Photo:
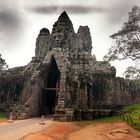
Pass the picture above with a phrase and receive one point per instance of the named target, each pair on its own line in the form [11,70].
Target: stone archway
[51,89]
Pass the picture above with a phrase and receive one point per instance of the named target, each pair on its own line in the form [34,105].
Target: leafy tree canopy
[127,42]
[3,65]
[132,73]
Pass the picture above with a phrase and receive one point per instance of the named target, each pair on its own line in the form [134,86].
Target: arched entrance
[50,92]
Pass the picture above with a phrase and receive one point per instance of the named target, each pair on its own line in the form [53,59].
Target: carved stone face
[58,39]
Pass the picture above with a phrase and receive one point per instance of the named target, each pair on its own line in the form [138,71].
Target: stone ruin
[65,79]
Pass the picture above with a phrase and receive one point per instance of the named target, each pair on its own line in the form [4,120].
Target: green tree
[132,73]
[3,65]
[127,43]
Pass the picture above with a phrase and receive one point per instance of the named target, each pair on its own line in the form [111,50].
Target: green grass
[2,115]
[133,109]
[134,112]
[111,119]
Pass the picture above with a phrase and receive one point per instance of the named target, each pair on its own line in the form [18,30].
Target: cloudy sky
[21,20]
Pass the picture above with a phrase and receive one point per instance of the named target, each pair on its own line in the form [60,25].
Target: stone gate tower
[65,79]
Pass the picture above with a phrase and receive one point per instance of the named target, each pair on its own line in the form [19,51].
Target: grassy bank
[2,115]
[134,112]
[111,119]
[131,116]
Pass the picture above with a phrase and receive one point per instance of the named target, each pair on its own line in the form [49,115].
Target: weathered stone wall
[11,87]
[115,91]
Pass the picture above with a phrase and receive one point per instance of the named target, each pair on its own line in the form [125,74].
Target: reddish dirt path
[106,131]
[99,131]
[57,131]
[3,120]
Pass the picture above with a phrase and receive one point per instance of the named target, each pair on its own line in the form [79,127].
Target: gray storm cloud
[11,18]
[71,9]
[114,11]
[119,10]
[10,21]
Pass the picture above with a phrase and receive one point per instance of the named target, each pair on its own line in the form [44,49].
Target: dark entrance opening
[50,92]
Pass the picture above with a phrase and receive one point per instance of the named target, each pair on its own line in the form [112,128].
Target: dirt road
[31,130]
[99,131]
[18,129]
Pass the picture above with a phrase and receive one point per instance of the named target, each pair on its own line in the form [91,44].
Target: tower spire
[63,24]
